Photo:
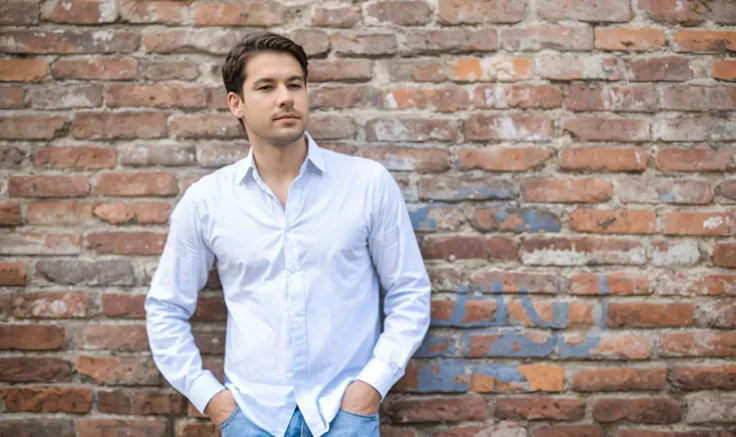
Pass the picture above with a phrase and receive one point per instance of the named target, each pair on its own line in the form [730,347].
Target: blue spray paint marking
[483,192]
[604,285]
[420,219]
[532,220]
[501,372]
[444,346]
[459,313]
[580,350]
[515,344]
[442,376]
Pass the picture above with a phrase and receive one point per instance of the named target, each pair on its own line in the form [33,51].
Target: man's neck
[279,162]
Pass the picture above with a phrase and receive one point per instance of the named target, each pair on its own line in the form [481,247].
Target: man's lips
[287,117]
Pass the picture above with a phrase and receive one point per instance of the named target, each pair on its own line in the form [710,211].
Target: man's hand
[220,407]
[361,398]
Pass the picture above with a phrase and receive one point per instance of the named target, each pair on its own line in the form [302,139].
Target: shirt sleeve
[172,300]
[397,259]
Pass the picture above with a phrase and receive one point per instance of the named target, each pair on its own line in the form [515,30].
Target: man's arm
[398,262]
[172,299]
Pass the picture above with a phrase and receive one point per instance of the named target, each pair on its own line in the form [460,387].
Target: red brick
[132,427]
[48,186]
[673,11]
[475,311]
[575,67]
[206,125]
[413,70]
[218,154]
[79,11]
[627,98]
[10,213]
[569,431]
[691,284]
[40,243]
[696,160]
[12,97]
[112,337]
[169,70]
[504,159]
[32,127]
[704,41]
[635,39]
[616,346]
[612,379]
[724,69]
[717,344]
[18,13]
[33,337]
[455,409]
[158,95]
[95,68]
[267,13]
[447,99]
[59,213]
[587,190]
[445,278]
[349,44]
[410,129]
[517,96]
[160,11]
[699,223]
[648,433]
[563,251]
[140,403]
[482,345]
[35,369]
[340,70]
[469,247]
[332,127]
[64,41]
[497,68]
[643,410]
[422,159]
[185,40]
[120,125]
[650,315]
[452,188]
[539,408]
[47,399]
[126,243]
[118,370]
[66,97]
[514,127]
[724,254]
[316,43]
[613,221]
[472,12]
[608,129]
[555,37]
[579,314]
[450,41]
[599,159]
[342,16]
[486,281]
[584,10]
[136,184]
[44,305]
[698,98]
[341,97]
[646,190]
[23,70]
[123,213]
[124,305]
[663,68]
[400,13]
[210,341]
[78,157]
[617,284]
[727,189]
[199,430]
[11,157]
[12,273]
[707,408]
[704,377]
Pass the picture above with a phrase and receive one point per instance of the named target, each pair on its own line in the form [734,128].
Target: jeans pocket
[361,416]
[230,418]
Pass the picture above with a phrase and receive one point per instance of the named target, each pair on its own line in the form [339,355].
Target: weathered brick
[35,369]
[555,37]
[90,273]
[587,190]
[422,159]
[266,13]
[702,343]
[600,159]
[532,344]
[613,221]
[608,346]
[504,159]
[400,13]
[576,67]
[562,251]
[684,128]
[332,127]
[95,68]
[111,337]
[608,129]
[342,16]
[539,408]
[119,125]
[33,337]
[704,41]
[205,125]
[410,129]
[132,427]
[136,184]
[185,40]
[454,409]
[44,305]
[470,247]
[340,70]
[316,43]
[674,253]
[494,281]
[618,283]
[12,273]
[217,154]
[686,12]
[704,377]
[412,70]
[447,99]
[23,70]
[79,12]
[352,44]
[647,190]
[692,284]
[126,243]
[11,157]
[637,39]
[500,96]
[78,157]
[161,11]
[472,12]
[450,41]
[68,213]
[140,402]
[504,428]
[727,189]
[48,186]
[158,95]
[453,189]
[18,13]
[547,314]
[501,68]
[716,314]
[32,127]
[699,223]
[12,98]
[64,41]
[474,311]
[698,98]
[47,399]
[626,98]
[711,408]
[10,213]
[118,370]
[656,411]
[130,306]
[663,68]
[611,379]
[724,254]
[584,10]
[123,213]
[696,160]
[40,243]
[650,315]
[340,97]
[514,127]
[569,431]
[724,69]
[168,155]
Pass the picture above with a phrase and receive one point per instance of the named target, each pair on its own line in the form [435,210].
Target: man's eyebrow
[269,79]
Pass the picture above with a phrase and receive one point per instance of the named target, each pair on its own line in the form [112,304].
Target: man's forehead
[279,66]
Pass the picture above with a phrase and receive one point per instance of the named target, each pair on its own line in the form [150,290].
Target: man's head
[265,77]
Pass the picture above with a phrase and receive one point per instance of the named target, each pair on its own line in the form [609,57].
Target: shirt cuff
[380,375]
[204,389]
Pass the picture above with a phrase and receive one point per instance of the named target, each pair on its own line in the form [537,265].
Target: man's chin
[287,135]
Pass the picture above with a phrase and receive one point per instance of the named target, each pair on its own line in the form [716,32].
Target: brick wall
[568,165]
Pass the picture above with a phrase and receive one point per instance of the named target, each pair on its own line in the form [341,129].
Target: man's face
[275,104]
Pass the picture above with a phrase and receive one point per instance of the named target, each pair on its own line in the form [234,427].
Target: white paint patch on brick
[713,222]
[677,253]
[108,11]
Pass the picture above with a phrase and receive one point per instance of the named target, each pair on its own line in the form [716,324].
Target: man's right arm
[172,300]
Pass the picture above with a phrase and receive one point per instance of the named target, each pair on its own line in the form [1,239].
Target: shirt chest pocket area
[338,245]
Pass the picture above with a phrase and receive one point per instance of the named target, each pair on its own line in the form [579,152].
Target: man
[307,243]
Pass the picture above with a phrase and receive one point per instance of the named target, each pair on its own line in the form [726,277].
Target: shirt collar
[315,155]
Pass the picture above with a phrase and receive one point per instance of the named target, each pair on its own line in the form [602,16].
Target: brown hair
[233,70]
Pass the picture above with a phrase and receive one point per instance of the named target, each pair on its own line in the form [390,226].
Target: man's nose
[285,97]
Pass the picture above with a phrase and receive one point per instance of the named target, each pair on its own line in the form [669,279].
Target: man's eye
[295,85]
[264,88]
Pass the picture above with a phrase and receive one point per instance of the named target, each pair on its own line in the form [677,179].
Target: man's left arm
[398,261]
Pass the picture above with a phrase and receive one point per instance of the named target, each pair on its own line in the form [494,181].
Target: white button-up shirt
[302,286]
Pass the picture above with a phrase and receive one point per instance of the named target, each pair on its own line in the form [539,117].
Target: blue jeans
[343,425]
